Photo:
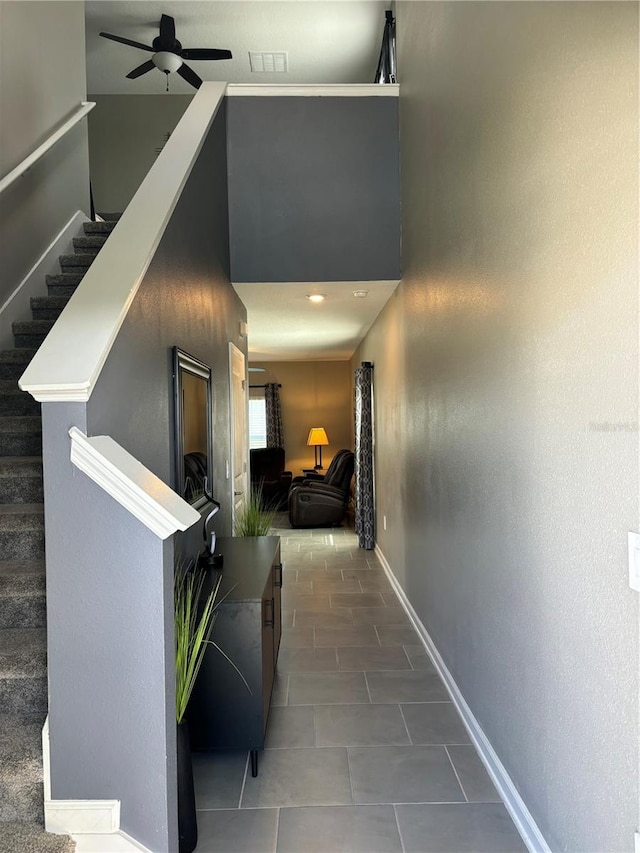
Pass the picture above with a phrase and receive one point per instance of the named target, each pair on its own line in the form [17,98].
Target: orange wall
[313,394]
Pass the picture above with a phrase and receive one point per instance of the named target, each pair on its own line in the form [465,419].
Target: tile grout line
[395,814]
[464,793]
[244,779]
[405,725]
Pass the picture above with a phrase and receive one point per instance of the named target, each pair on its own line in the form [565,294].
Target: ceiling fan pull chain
[167,82]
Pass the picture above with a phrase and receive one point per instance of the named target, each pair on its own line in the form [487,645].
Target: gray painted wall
[109,579]
[40,87]
[125,133]
[506,371]
[314,189]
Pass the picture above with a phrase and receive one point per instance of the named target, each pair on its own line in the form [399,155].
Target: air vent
[268,63]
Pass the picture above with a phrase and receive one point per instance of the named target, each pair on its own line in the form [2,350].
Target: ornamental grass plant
[194,619]
[255,517]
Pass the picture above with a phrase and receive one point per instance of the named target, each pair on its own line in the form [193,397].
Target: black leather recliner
[322,501]
[267,473]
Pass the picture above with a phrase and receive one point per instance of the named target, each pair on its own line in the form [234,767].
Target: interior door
[239,429]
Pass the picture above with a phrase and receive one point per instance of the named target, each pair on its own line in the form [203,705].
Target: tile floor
[365,752]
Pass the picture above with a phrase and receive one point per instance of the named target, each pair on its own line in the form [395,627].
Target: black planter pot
[187,822]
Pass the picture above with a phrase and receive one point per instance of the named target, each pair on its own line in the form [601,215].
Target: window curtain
[275,434]
[364,473]
[386,71]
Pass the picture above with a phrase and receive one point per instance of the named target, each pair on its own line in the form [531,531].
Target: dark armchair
[267,473]
[322,501]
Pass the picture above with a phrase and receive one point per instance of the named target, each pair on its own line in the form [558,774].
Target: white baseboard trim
[118,842]
[18,305]
[93,824]
[71,817]
[514,803]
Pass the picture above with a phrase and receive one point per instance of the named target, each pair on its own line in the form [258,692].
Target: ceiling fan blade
[190,76]
[149,65]
[123,40]
[205,53]
[167,29]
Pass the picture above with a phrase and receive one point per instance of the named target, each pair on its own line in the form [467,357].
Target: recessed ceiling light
[316,297]
[360,294]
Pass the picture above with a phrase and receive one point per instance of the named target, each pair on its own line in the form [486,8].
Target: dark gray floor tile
[328,688]
[323,618]
[376,582]
[339,829]
[419,658]
[245,831]
[359,725]
[363,572]
[464,828]
[403,774]
[362,635]
[299,777]
[397,635]
[406,687]
[217,778]
[297,638]
[312,572]
[290,727]
[379,616]
[356,599]
[305,601]
[296,587]
[287,619]
[434,722]
[474,779]
[333,586]
[280,691]
[307,660]
[368,659]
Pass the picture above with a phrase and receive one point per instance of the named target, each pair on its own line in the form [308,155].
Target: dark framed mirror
[193,427]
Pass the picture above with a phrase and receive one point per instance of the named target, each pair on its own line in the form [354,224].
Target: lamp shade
[317,436]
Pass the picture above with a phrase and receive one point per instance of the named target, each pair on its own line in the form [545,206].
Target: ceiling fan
[169,55]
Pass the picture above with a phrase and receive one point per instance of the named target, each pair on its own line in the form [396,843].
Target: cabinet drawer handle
[268,623]
[278,574]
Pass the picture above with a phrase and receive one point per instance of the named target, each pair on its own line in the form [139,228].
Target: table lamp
[317,439]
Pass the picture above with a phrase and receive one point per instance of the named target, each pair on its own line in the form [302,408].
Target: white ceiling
[285,326]
[327,42]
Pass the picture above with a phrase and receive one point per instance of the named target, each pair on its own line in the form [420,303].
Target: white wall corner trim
[313,90]
[132,485]
[514,803]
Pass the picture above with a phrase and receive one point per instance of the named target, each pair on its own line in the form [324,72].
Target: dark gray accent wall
[110,580]
[314,190]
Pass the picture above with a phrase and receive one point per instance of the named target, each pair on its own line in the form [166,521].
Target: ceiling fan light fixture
[166,61]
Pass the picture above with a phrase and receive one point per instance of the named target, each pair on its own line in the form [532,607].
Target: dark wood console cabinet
[223,714]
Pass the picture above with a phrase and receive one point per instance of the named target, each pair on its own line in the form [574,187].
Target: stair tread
[21,567]
[32,326]
[21,356]
[78,259]
[26,517]
[23,463]
[93,241]
[21,836]
[105,227]
[20,423]
[48,302]
[23,652]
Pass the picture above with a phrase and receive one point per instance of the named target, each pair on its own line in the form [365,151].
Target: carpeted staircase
[23,665]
